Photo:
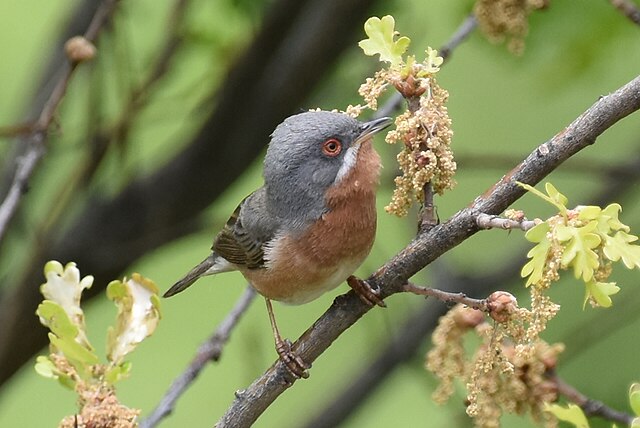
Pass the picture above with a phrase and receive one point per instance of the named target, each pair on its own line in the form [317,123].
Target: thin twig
[589,406]
[628,9]
[447,296]
[425,248]
[461,34]
[37,138]
[486,221]
[211,350]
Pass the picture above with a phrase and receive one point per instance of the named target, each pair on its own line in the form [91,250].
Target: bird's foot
[296,365]
[366,292]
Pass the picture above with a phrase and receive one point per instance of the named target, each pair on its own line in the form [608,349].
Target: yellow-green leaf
[611,212]
[555,195]
[634,398]
[53,316]
[138,315]
[600,292]
[534,268]
[619,246]
[572,414]
[381,33]
[117,372]
[65,287]
[77,354]
[432,61]
[578,249]
[555,198]
[45,367]
[588,212]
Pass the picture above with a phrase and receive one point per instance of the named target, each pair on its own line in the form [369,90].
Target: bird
[311,224]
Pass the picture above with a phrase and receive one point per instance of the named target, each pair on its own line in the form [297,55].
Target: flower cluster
[499,377]
[502,20]
[424,128]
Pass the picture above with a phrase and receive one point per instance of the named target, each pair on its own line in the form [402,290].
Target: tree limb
[426,247]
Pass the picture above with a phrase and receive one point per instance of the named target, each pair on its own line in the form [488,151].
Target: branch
[426,247]
[36,139]
[589,406]
[211,350]
[486,221]
[447,296]
[628,9]
[618,182]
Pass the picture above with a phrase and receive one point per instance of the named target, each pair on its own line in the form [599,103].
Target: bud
[501,305]
[78,49]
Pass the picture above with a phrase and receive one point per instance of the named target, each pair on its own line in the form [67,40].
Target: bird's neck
[296,205]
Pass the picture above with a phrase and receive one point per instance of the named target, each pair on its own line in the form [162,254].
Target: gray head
[308,153]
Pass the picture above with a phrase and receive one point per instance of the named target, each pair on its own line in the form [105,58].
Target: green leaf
[117,372]
[77,354]
[555,198]
[138,315]
[381,41]
[611,212]
[534,269]
[619,246]
[53,316]
[45,367]
[600,292]
[634,398]
[65,287]
[555,195]
[572,414]
[589,212]
[578,251]
[432,61]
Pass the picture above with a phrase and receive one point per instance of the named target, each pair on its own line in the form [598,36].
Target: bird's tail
[203,268]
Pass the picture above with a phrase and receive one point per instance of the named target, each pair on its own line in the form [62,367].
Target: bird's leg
[296,366]
[365,292]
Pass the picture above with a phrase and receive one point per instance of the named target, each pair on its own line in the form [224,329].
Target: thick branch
[618,184]
[391,277]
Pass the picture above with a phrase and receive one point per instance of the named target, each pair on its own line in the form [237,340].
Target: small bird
[311,224]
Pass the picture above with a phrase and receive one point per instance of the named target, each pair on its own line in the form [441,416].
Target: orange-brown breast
[302,268]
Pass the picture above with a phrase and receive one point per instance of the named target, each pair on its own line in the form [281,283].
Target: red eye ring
[332,147]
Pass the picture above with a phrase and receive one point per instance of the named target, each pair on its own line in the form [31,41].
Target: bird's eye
[331,147]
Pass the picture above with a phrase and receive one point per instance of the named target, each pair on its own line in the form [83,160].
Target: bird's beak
[368,129]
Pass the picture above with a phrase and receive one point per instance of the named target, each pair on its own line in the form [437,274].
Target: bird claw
[294,364]
[365,292]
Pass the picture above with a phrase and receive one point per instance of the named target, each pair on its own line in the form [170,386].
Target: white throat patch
[348,162]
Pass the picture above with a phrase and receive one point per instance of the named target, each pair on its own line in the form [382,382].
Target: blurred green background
[502,107]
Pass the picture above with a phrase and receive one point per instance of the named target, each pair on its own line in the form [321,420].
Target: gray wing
[242,239]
